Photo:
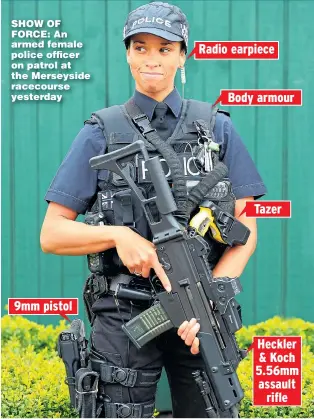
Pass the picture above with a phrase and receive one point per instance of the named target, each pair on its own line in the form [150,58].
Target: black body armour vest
[115,203]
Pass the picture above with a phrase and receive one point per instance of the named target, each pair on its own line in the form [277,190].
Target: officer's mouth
[151,76]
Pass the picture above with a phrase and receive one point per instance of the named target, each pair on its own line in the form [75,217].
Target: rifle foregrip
[224,379]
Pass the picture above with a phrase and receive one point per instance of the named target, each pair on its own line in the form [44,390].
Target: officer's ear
[182,59]
[128,55]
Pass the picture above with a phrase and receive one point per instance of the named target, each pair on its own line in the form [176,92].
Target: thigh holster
[129,410]
[86,388]
[111,374]
[81,380]
[125,376]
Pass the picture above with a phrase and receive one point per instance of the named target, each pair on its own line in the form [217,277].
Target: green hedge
[33,374]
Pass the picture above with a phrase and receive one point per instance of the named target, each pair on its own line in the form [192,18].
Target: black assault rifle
[183,254]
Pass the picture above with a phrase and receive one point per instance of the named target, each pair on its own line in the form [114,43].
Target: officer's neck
[158,96]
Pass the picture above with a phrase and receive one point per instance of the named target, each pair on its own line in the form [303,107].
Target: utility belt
[122,286]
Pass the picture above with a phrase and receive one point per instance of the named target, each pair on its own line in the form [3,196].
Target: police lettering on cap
[160,19]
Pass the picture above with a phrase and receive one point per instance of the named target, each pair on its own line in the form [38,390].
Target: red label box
[277,371]
[235,50]
[267,209]
[32,306]
[260,97]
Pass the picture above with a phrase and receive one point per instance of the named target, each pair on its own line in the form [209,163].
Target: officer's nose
[151,65]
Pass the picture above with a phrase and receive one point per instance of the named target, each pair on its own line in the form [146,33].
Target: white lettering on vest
[188,165]
[169,171]
[144,169]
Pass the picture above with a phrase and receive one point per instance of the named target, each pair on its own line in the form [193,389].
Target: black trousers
[167,350]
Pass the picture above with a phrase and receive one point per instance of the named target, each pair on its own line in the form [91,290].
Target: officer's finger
[182,327]
[191,335]
[145,271]
[159,271]
[195,348]
[191,323]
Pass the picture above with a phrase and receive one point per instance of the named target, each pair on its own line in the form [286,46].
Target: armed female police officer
[156,37]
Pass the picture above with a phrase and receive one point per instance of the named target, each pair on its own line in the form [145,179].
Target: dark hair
[128,41]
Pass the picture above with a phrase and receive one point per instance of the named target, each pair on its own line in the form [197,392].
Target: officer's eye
[141,49]
[165,49]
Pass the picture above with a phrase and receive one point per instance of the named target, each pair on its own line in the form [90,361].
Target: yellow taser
[203,221]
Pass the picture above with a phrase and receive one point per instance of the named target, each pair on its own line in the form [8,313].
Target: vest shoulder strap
[203,112]
[196,110]
[101,116]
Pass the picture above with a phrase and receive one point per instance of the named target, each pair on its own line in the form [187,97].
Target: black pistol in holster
[81,380]
[183,254]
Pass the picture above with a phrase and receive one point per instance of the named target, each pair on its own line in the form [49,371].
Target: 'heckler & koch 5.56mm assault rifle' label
[277,371]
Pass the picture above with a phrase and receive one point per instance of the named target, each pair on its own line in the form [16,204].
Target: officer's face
[153,63]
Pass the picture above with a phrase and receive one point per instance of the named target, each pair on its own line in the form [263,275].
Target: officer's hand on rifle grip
[139,255]
[188,332]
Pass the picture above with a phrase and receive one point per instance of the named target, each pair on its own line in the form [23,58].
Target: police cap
[160,19]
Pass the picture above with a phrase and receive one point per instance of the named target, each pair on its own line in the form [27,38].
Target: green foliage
[278,326]
[307,409]
[27,333]
[33,374]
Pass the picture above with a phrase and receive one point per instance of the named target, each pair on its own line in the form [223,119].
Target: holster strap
[125,376]
[125,199]
[98,285]
[86,388]
[129,410]
[95,287]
